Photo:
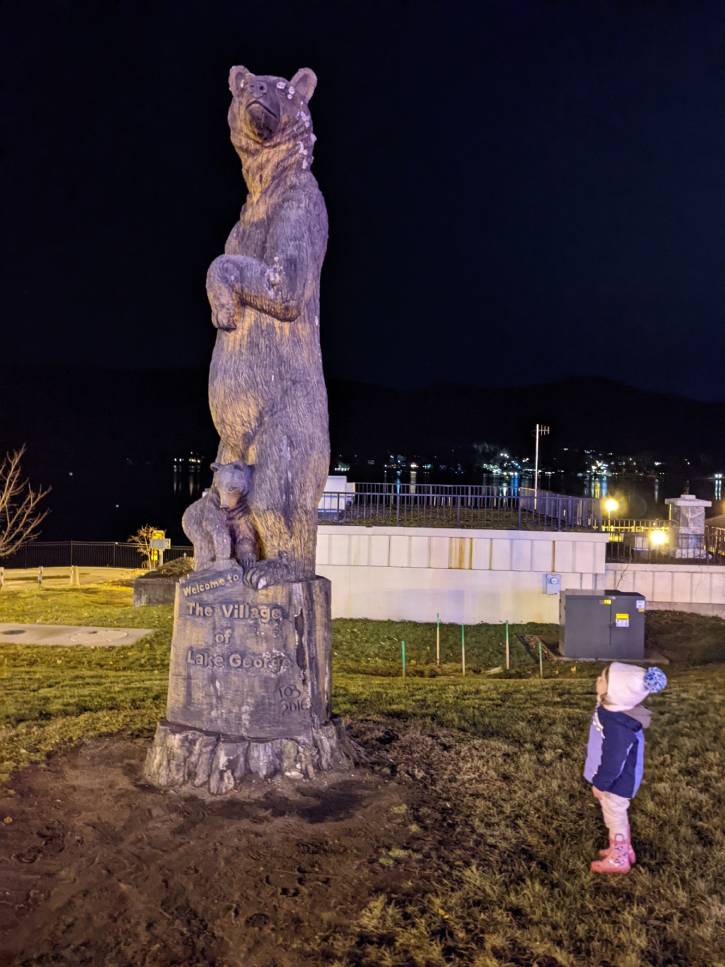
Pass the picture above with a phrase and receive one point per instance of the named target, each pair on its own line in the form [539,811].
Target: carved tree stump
[249,684]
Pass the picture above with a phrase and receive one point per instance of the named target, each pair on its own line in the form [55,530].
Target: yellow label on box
[606,600]
[621,620]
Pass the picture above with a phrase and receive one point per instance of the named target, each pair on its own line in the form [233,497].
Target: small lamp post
[611,506]
[658,539]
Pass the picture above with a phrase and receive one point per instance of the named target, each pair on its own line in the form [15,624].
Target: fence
[637,548]
[562,511]
[85,554]
[715,542]
[435,490]
[464,506]
[632,525]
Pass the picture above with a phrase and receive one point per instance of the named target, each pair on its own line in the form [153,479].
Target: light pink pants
[614,811]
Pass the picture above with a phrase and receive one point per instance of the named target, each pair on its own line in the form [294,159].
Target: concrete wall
[699,588]
[466,575]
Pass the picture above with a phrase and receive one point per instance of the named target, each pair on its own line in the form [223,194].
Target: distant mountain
[596,414]
[69,416]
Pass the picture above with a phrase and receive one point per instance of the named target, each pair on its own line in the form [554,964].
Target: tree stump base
[220,763]
[249,684]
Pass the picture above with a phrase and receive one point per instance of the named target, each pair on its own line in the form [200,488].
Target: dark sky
[517,191]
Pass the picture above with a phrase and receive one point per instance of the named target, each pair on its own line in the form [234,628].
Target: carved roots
[185,756]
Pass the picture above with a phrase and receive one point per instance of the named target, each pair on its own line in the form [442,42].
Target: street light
[659,538]
[539,431]
[611,506]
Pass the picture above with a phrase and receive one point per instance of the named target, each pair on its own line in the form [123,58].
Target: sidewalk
[18,579]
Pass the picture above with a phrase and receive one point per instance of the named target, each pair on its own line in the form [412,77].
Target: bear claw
[264,573]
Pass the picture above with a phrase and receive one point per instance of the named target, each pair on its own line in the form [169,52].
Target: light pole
[540,430]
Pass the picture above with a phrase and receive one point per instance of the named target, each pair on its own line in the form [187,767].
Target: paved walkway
[15,633]
[17,578]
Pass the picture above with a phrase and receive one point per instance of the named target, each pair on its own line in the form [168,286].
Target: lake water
[139,494]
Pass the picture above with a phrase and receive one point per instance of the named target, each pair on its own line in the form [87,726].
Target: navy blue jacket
[615,752]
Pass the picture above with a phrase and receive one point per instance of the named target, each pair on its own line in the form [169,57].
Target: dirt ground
[97,867]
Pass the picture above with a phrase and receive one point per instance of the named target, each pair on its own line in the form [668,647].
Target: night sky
[517,193]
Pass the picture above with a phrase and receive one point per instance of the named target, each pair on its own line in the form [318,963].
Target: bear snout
[228,500]
[262,117]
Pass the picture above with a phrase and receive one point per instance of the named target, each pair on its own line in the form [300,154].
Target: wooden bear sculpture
[266,386]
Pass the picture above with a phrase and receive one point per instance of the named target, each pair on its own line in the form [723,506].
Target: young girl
[615,754]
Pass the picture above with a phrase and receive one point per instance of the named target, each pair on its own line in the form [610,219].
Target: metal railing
[432,490]
[637,548]
[632,525]
[469,508]
[715,542]
[85,554]
[561,511]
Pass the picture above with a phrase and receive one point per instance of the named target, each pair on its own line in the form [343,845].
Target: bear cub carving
[218,524]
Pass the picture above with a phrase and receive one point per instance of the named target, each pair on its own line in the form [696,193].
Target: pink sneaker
[617,858]
[631,853]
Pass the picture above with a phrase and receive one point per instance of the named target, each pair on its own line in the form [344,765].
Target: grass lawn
[499,759]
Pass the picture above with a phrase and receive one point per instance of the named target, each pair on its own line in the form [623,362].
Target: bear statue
[218,524]
[251,653]
[266,387]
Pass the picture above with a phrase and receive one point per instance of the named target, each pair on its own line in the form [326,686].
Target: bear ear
[238,77]
[214,467]
[305,82]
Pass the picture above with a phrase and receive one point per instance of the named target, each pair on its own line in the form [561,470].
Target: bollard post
[438,638]
[508,653]
[2,577]
[541,661]
[402,655]
[463,649]
[40,577]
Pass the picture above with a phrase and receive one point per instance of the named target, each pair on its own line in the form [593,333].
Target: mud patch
[97,867]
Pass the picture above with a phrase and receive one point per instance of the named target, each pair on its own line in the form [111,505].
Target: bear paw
[264,573]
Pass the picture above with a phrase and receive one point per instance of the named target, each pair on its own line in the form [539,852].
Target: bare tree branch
[20,511]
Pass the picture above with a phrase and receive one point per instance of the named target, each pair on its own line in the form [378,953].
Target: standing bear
[266,386]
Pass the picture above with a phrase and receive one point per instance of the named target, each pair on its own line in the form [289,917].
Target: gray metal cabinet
[601,624]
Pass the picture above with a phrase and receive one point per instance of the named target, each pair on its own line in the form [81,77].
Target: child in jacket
[615,754]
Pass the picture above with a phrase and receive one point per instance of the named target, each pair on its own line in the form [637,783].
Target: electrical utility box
[601,624]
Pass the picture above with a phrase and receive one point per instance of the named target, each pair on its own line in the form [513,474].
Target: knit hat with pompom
[628,685]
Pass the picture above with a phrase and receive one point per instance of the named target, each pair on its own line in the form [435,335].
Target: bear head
[269,111]
[231,483]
